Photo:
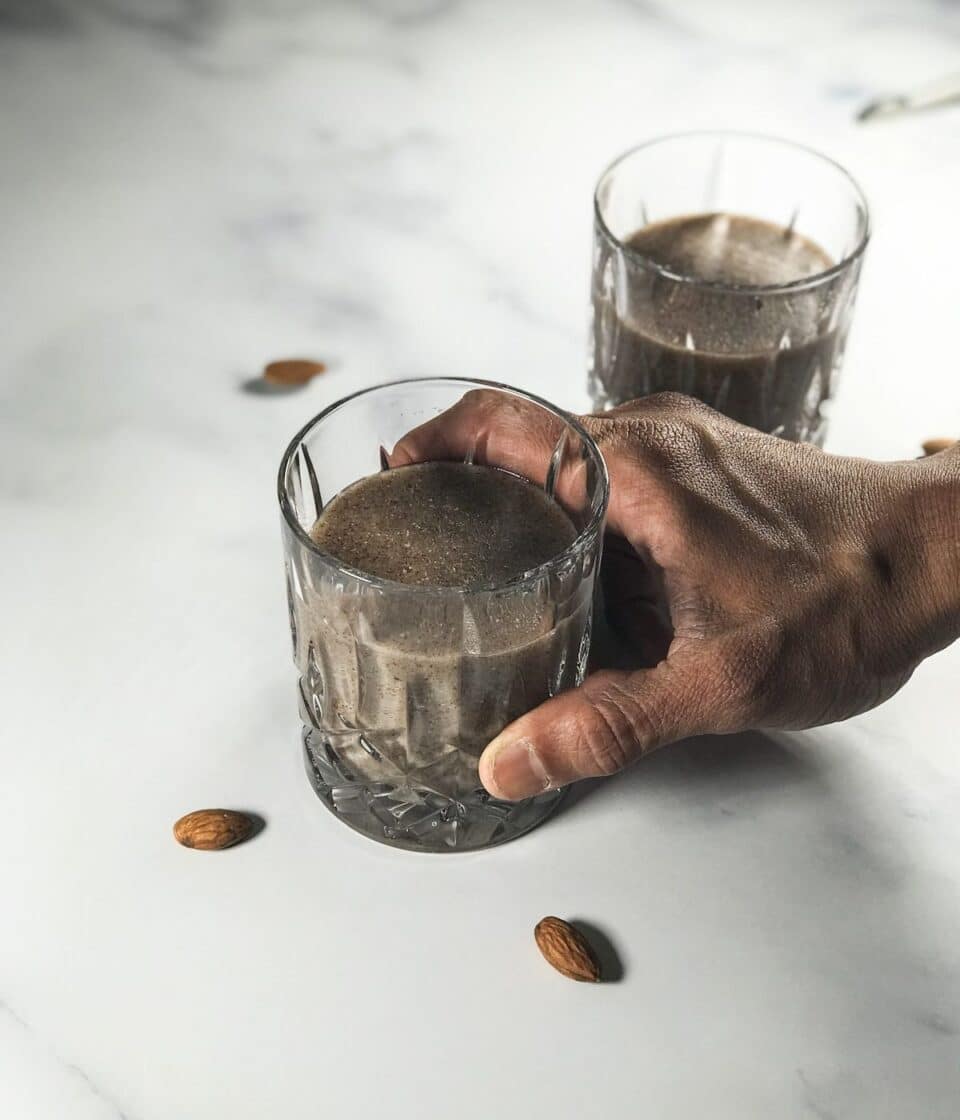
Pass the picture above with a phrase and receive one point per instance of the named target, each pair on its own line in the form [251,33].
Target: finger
[489,427]
[500,430]
[600,728]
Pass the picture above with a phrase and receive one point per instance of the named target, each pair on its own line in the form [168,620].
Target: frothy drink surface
[444,524]
[730,249]
[764,358]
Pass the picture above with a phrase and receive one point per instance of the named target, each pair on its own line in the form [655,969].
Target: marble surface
[192,187]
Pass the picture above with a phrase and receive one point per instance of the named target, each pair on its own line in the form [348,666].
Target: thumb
[597,729]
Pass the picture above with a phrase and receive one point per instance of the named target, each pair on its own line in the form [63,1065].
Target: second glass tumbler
[725,267]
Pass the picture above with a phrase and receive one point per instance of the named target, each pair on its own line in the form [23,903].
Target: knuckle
[604,739]
[677,402]
[618,729]
[675,438]
[672,448]
[482,400]
[599,428]
[666,440]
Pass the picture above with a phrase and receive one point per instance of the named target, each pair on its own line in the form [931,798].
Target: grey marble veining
[64,1084]
[191,188]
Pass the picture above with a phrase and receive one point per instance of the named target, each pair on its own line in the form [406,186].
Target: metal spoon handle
[944,91]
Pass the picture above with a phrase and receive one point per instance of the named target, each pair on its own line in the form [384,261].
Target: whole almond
[210,830]
[565,947]
[292,371]
[932,446]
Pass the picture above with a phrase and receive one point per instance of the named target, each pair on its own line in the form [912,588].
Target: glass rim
[747,289]
[590,530]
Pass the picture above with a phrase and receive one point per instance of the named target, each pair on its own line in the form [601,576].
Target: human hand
[768,584]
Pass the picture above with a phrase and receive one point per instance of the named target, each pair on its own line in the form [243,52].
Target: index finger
[513,433]
[487,427]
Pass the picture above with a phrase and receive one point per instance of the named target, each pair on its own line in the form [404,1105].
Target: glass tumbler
[402,686]
[767,353]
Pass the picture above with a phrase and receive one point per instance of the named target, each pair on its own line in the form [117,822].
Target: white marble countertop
[192,187]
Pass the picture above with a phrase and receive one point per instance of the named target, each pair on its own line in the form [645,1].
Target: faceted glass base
[418,819]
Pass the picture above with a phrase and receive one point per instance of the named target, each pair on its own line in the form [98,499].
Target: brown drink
[693,317]
[431,684]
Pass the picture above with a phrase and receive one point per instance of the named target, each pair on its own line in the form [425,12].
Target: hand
[769,585]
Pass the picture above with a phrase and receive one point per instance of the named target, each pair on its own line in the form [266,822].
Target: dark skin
[762,584]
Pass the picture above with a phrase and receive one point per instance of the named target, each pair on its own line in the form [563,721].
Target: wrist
[919,533]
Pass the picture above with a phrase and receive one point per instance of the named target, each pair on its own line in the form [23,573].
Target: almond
[292,371]
[932,446]
[565,947]
[213,829]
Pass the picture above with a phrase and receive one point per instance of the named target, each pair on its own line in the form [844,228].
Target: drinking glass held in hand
[402,684]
